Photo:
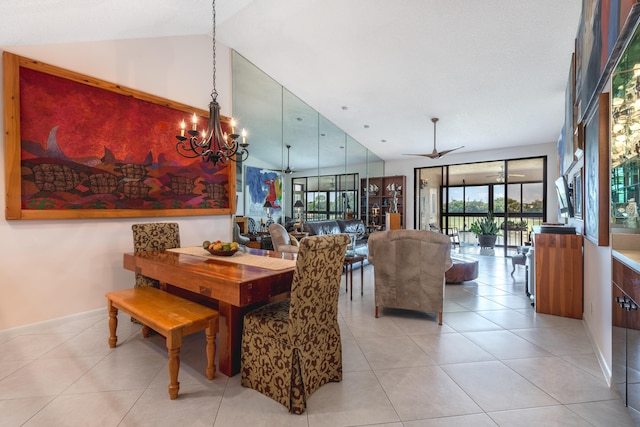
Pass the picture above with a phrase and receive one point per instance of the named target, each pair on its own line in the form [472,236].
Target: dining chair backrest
[155,236]
[316,285]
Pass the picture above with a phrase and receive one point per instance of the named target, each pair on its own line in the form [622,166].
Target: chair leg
[440,318]
[376,311]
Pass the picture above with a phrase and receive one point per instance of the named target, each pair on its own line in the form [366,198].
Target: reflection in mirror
[300,131]
[258,106]
[320,153]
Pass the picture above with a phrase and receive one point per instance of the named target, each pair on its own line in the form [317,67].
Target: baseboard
[599,356]
[52,322]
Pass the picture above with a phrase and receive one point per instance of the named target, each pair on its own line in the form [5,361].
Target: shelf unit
[382,198]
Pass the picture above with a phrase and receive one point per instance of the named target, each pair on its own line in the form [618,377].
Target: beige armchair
[409,267]
[282,241]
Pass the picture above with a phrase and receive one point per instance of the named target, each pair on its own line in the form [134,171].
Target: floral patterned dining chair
[292,347]
[154,236]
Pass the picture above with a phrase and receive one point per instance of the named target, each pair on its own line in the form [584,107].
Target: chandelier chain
[214,92]
[212,145]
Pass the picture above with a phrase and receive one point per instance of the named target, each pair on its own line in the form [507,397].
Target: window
[327,196]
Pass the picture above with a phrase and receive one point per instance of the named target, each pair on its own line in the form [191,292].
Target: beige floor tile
[122,371]
[550,416]
[393,352]
[558,341]
[475,420]
[358,399]
[86,410]
[506,345]
[45,377]
[383,326]
[561,380]
[426,392]
[469,321]
[604,413]
[352,357]
[32,346]
[197,405]
[495,387]
[15,412]
[476,303]
[451,348]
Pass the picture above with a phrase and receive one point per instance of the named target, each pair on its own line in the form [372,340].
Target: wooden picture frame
[596,173]
[577,195]
[81,147]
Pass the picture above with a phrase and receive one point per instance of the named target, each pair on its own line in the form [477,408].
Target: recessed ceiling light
[344,107]
[299,119]
[323,134]
[366,126]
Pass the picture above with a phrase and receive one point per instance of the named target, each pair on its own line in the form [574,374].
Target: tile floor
[494,361]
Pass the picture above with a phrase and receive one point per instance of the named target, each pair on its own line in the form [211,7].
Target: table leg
[230,338]
[361,277]
[350,267]
[346,277]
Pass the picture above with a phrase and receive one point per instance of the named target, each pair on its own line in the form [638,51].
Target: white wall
[407,166]
[55,268]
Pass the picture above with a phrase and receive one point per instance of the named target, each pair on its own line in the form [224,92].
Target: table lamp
[267,205]
[299,205]
[374,210]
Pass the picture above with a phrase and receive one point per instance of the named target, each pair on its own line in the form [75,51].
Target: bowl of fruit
[220,248]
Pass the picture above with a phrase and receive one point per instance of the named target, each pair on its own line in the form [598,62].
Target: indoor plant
[486,230]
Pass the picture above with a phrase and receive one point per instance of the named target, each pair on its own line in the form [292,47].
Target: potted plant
[486,230]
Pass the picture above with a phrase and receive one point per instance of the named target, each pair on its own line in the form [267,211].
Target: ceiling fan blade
[433,155]
[443,153]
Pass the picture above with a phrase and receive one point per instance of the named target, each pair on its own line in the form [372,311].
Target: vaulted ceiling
[493,71]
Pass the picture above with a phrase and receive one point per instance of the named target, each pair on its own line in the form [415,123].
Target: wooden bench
[172,317]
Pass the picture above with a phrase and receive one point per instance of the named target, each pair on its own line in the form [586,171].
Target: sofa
[336,226]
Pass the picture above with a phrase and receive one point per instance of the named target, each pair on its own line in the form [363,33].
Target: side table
[348,263]
[299,234]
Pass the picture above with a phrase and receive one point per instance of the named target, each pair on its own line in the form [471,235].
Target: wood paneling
[559,274]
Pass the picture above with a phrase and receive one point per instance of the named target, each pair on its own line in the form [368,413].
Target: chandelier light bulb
[212,145]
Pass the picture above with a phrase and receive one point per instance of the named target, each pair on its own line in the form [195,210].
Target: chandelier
[288,170]
[212,145]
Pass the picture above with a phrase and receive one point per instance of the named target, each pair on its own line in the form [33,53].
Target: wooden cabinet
[558,265]
[377,199]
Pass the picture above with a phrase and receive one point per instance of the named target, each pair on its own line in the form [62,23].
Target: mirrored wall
[286,134]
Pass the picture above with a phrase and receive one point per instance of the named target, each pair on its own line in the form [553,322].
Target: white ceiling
[493,71]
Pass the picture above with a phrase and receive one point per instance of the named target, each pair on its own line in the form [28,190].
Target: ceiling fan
[288,170]
[435,154]
[500,175]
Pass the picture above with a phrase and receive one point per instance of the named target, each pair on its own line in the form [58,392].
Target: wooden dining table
[219,282]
